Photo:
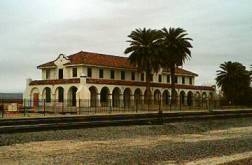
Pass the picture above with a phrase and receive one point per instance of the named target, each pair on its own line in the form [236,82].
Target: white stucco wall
[83,88]
[67,71]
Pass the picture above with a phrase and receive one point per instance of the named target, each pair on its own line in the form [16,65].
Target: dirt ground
[209,142]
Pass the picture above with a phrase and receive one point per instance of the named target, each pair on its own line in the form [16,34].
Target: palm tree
[143,51]
[234,80]
[175,51]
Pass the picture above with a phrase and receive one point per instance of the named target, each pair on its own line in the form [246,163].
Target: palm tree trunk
[148,87]
[173,90]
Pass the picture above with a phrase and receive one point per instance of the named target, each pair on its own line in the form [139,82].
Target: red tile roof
[180,71]
[118,82]
[90,58]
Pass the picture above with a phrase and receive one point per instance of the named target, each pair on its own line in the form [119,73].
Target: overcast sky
[34,32]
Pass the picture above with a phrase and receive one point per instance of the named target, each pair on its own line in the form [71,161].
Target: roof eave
[98,66]
[45,67]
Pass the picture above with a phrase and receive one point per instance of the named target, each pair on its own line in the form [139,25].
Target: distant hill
[11,95]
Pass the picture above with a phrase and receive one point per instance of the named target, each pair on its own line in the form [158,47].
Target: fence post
[202,102]
[79,106]
[2,110]
[62,107]
[110,106]
[180,100]
[54,106]
[44,107]
[25,106]
[159,106]
[210,104]
[148,106]
[136,103]
[170,102]
[94,104]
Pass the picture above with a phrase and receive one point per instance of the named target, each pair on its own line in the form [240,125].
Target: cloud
[36,32]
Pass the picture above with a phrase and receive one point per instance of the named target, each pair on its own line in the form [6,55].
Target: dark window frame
[151,77]
[159,78]
[101,74]
[183,80]
[74,72]
[142,76]
[48,74]
[122,75]
[61,74]
[89,72]
[133,76]
[176,79]
[168,79]
[190,81]
[112,74]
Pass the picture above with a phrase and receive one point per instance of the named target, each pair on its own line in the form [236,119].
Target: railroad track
[72,122]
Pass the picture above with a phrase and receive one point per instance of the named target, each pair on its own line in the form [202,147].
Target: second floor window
[89,72]
[132,75]
[151,77]
[122,75]
[160,78]
[101,73]
[168,78]
[74,72]
[190,80]
[183,80]
[142,76]
[176,79]
[47,74]
[112,74]
[60,73]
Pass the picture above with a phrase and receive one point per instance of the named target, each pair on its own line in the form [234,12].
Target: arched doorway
[116,97]
[104,94]
[126,97]
[147,98]
[157,97]
[72,96]
[175,98]
[197,99]
[60,94]
[47,94]
[35,97]
[182,98]
[204,95]
[166,98]
[204,98]
[211,97]
[189,98]
[137,96]
[93,96]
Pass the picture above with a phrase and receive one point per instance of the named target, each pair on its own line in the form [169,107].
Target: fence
[107,106]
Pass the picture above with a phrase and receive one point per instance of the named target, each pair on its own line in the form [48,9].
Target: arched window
[47,95]
[60,94]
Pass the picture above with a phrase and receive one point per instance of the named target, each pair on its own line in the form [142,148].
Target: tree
[143,52]
[234,81]
[175,50]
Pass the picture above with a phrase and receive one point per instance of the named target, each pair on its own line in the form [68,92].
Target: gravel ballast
[177,143]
